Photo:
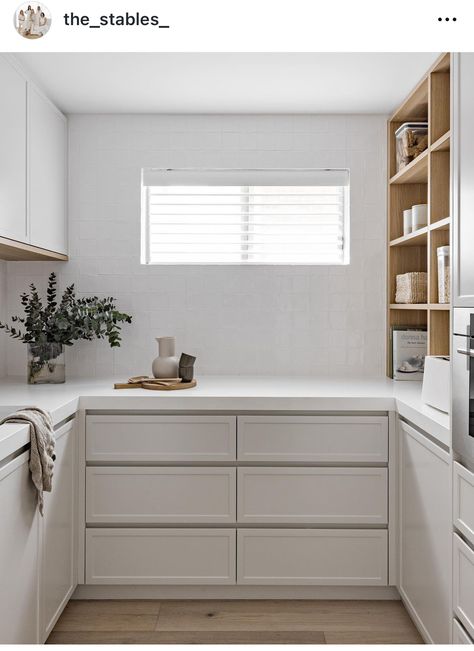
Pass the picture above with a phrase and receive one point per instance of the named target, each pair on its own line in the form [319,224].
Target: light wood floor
[234,622]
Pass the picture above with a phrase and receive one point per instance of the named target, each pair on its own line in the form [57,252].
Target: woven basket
[412,287]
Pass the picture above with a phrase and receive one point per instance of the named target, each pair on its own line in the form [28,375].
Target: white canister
[407,222]
[444,274]
[419,216]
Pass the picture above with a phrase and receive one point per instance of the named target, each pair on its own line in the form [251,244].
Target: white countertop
[234,393]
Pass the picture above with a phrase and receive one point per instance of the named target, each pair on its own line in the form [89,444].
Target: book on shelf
[409,347]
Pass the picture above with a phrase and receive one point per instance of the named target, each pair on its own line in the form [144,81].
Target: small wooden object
[155,384]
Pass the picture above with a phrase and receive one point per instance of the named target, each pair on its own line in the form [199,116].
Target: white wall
[256,320]
[3,314]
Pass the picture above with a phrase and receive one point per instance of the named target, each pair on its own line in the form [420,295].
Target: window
[245,217]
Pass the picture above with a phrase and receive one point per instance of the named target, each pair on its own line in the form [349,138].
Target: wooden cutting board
[152,385]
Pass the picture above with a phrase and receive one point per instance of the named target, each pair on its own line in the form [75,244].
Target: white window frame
[145,221]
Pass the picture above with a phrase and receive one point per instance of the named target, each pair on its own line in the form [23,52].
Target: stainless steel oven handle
[468,353]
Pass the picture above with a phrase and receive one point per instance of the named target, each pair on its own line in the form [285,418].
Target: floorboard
[234,622]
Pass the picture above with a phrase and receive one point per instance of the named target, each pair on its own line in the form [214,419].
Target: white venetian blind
[245,216]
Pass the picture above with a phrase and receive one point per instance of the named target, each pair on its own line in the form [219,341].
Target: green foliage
[65,322]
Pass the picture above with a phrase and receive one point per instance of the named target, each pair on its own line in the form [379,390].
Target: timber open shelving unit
[425,180]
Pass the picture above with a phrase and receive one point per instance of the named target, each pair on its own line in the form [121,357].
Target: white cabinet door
[58,571]
[317,439]
[312,556]
[463,179]
[151,495]
[463,583]
[459,634]
[13,222]
[160,438]
[47,167]
[356,496]
[463,501]
[160,556]
[19,544]
[425,533]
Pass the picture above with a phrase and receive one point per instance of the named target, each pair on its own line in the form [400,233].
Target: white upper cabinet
[13,222]
[47,165]
[463,180]
[33,170]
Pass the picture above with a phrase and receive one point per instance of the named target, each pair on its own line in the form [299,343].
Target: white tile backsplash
[256,320]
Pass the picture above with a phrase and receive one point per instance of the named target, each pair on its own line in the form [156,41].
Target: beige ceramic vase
[166,364]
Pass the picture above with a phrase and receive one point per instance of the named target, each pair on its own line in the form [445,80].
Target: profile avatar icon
[32,20]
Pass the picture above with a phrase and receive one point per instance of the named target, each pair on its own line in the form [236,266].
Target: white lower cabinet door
[463,500]
[160,556]
[459,634]
[58,568]
[463,583]
[324,439]
[312,495]
[19,545]
[312,557]
[425,534]
[152,495]
[149,438]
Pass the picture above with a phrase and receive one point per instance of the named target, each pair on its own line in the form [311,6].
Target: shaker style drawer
[312,557]
[160,438]
[147,495]
[160,556]
[337,439]
[459,634]
[463,489]
[463,583]
[312,495]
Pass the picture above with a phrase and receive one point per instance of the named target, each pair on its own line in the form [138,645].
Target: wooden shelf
[415,172]
[426,180]
[408,306]
[417,238]
[12,250]
[443,143]
[441,225]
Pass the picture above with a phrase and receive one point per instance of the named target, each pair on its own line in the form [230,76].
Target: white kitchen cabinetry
[33,170]
[356,496]
[155,556]
[160,438]
[463,500]
[47,172]
[58,567]
[313,439]
[463,179]
[13,222]
[19,554]
[163,476]
[425,539]
[312,557]
[148,495]
[459,634]
[463,583]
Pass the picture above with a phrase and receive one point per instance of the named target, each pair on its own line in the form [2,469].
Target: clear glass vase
[46,364]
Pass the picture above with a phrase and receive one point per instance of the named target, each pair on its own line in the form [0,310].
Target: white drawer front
[459,634]
[463,583]
[147,495]
[463,488]
[320,495]
[311,557]
[161,438]
[337,439]
[160,556]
